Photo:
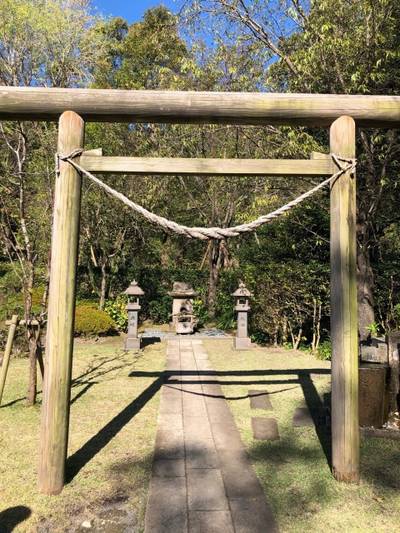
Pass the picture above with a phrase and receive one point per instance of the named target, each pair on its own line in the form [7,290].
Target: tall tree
[42,43]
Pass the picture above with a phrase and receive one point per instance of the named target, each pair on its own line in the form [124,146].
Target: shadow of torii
[301,377]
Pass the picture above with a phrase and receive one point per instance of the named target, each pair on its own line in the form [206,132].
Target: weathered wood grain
[344,324]
[60,326]
[182,166]
[105,105]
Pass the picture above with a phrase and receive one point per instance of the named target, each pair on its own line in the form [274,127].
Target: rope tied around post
[344,165]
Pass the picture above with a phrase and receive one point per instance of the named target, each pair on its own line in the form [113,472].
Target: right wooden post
[344,319]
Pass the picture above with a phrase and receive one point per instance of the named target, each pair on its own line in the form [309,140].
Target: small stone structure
[183,319]
[242,307]
[133,307]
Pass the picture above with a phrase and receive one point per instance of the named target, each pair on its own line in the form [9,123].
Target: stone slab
[198,427]
[239,477]
[265,428]
[210,522]
[168,421]
[259,399]
[166,508]
[201,454]
[302,417]
[226,435]
[169,445]
[169,467]
[252,515]
[206,490]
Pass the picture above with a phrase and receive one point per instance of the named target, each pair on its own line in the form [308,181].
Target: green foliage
[159,311]
[116,309]
[92,322]
[201,312]
[373,328]
[324,351]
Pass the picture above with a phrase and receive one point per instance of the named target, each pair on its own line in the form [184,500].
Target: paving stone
[265,428]
[197,427]
[173,366]
[213,390]
[302,417]
[200,355]
[171,407]
[206,490]
[169,445]
[259,399]
[166,508]
[226,435]
[167,421]
[200,454]
[239,477]
[218,411]
[169,467]
[191,409]
[210,522]
[252,516]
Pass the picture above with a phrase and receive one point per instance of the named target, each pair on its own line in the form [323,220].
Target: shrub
[116,309]
[159,311]
[90,321]
[324,351]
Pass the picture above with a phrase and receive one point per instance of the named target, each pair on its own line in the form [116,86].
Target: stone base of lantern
[242,343]
[132,343]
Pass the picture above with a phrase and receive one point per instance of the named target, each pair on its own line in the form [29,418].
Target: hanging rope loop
[344,165]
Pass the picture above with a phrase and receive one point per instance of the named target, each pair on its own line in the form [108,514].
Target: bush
[324,351]
[116,310]
[90,321]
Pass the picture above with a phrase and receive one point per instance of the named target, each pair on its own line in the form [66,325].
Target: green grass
[294,470]
[114,461]
[114,440]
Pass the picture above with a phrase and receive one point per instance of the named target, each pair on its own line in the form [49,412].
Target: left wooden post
[61,310]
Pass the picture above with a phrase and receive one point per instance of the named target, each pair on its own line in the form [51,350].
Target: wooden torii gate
[73,107]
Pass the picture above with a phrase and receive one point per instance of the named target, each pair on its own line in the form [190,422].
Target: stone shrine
[183,319]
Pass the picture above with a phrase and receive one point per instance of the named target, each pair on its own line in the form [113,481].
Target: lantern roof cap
[134,289]
[242,290]
[181,289]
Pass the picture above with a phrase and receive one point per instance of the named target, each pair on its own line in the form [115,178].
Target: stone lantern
[242,307]
[134,292]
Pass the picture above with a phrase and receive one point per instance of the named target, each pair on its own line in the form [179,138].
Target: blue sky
[132,10]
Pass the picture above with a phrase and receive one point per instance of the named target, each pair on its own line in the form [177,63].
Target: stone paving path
[202,480]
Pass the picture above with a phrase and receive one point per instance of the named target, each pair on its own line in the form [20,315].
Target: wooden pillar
[344,320]
[60,326]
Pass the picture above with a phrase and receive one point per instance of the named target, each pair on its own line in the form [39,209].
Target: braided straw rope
[345,165]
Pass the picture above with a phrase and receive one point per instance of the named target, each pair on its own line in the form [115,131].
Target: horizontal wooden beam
[232,167]
[109,105]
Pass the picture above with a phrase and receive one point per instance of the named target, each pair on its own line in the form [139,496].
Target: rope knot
[77,152]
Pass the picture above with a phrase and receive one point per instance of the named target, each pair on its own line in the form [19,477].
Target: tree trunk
[365,287]
[32,386]
[103,286]
[215,260]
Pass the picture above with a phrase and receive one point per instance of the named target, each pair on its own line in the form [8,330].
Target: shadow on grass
[87,379]
[11,517]
[94,445]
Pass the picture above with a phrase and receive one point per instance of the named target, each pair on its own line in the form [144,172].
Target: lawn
[113,423]
[112,431]
[294,470]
